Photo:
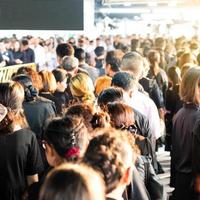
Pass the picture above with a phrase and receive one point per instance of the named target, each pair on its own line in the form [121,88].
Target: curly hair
[108,153]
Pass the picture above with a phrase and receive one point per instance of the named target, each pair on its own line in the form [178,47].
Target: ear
[59,60]
[107,69]
[50,150]
[126,179]
[130,93]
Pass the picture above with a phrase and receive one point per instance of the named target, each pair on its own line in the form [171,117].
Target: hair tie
[74,151]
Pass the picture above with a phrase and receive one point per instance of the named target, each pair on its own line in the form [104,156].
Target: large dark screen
[41,14]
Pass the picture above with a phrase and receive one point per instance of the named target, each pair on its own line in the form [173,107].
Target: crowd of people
[86,124]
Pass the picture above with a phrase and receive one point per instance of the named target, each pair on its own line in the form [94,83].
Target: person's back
[19,151]
[37,113]
[37,109]
[182,136]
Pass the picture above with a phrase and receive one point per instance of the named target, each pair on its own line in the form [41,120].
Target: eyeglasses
[44,144]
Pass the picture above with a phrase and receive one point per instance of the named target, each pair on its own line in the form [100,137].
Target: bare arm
[32,179]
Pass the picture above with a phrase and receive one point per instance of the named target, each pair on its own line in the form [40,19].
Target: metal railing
[7,72]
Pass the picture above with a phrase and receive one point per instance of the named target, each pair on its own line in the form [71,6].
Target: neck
[117,193]
[155,68]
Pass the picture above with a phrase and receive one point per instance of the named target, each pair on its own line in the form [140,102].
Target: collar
[191,106]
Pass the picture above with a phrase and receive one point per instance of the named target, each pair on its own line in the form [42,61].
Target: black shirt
[28,56]
[37,113]
[19,157]
[182,137]
[151,87]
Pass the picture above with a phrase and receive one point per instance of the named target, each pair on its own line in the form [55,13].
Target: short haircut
[132,62]
[24,42]
[135,43]
[73,182]
[69,63]
[110,95]
[114,59]
[99,51]
[160,42]
[124,80]
[64,49]
[190,86]
[80,54]
[59,74]
[153,56]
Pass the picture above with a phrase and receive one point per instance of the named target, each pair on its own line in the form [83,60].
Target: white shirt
[40,56]
[147,107]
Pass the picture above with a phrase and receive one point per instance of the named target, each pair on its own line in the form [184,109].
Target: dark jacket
[37,113]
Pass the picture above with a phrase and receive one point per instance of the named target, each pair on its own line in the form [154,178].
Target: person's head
[16,46]
[91,118]
[135,44]
[80,55]
[102,83]
[81,87]
[154,57]
[160,43]
[24,44]
[174,75]
[62,50]
[70,65]
[186,58]
[111,94]
[185,68]
[113,62]
[99,52]
[126,81]
[65,139]
[12,97]
[111,154]
[30,93]
[133,62]
[121,116]
[61,79]
[190,86]
[48,80]
[33,74]
[73,182]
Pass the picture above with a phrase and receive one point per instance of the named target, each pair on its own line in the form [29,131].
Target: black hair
[66,133]
[124,80]
[80,54]
[114,59]
[24,42]
[99,51]
[110,95]
[29,91]
[59,74]
[64,49]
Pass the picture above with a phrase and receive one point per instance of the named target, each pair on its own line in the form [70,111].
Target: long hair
[190,85]
[12,97]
